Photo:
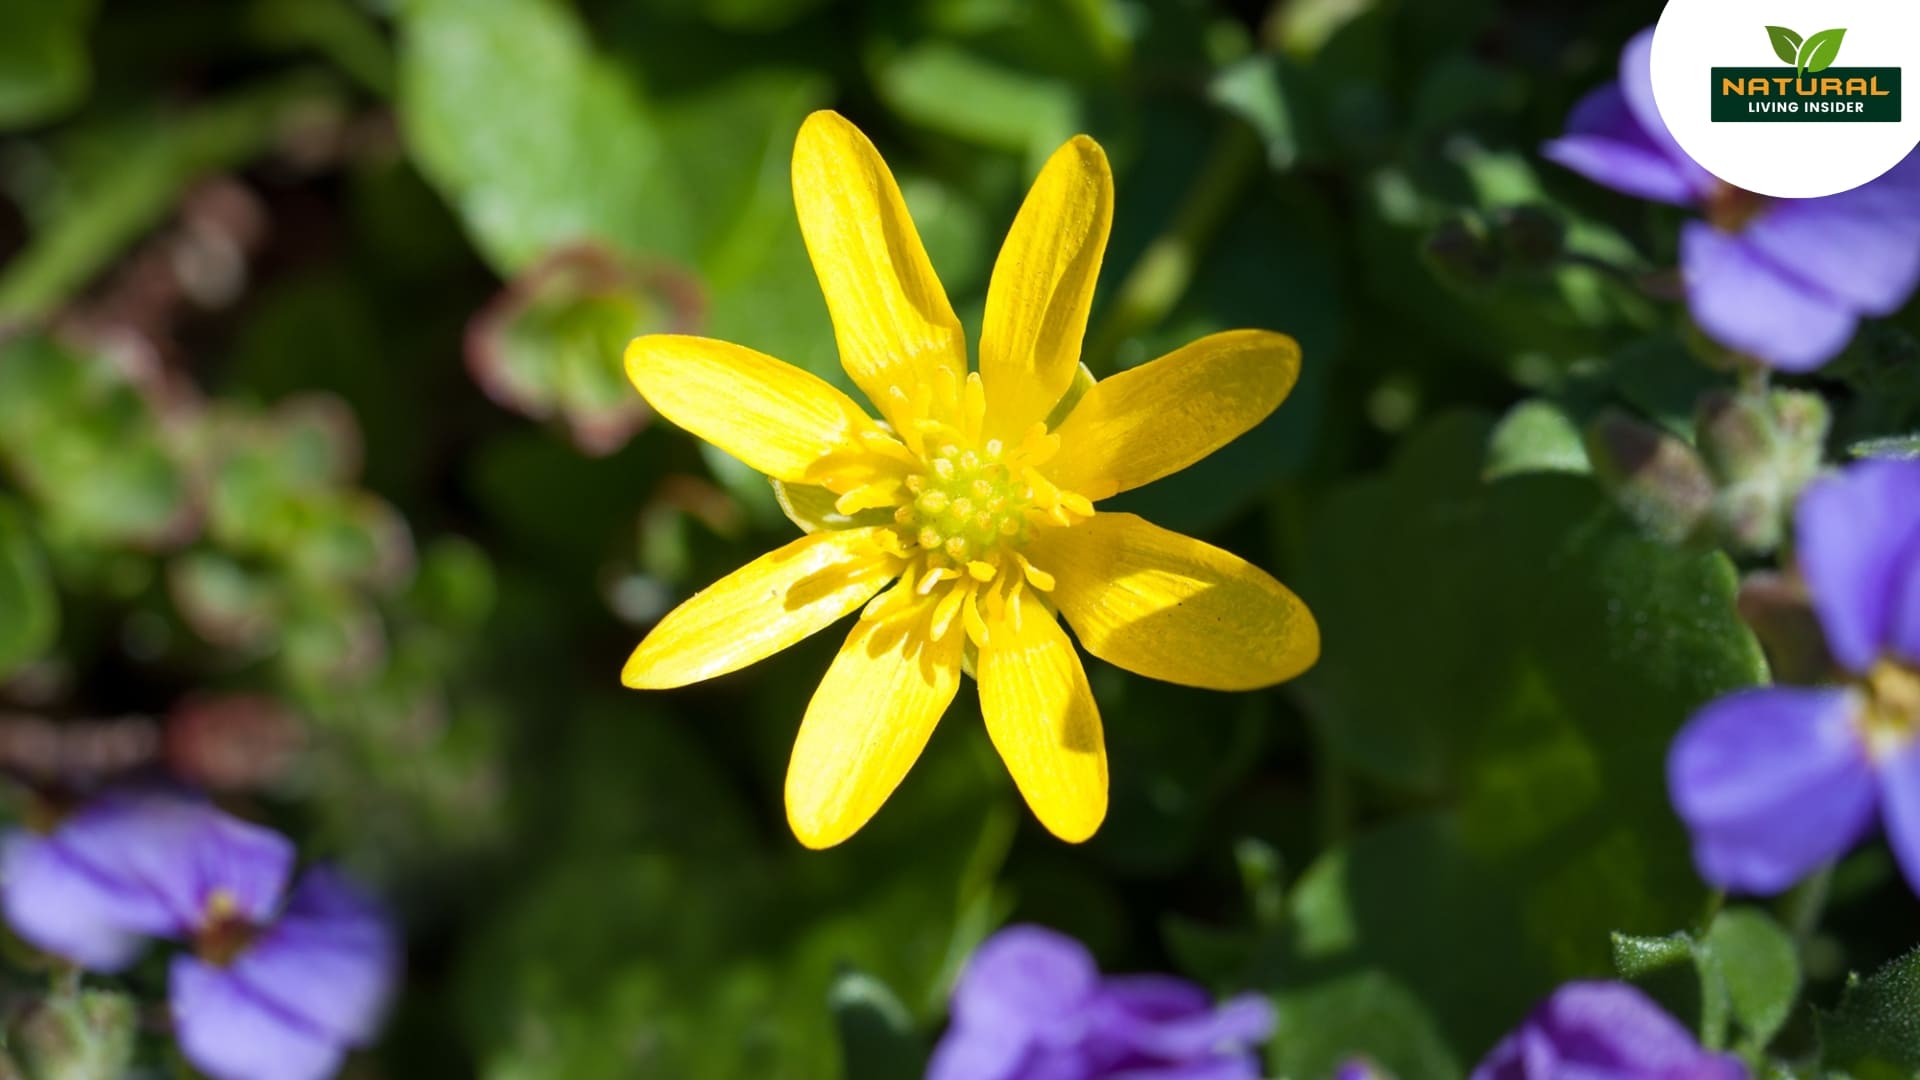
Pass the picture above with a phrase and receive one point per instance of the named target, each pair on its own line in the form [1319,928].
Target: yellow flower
[972,496]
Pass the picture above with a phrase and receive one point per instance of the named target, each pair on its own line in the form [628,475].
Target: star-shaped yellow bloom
[973,497]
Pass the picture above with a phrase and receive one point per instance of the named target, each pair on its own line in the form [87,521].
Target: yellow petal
[1170,607]
[892,320]
[1042,287]
[867,724]
[1042,718]
[761,608]
[1163,416]
[775,417]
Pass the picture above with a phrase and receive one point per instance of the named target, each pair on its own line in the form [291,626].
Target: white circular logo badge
[1790,99]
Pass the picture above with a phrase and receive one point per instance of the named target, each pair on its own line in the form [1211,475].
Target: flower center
[1729,208]
[1892,716]
[967,504]
[963,509]
[224,932]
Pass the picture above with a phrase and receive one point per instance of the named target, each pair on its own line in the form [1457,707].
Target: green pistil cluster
[967,504]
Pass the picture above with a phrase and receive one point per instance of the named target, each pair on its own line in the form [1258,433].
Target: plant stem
[1716,900]
[1804,905]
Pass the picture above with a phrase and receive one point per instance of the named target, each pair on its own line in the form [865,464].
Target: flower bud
[1459,250]
[1656,477]
[1780,612]
[1762,449]
[86,1035]
[1532,236]
[1735,434]
[549,345]
[1802,421]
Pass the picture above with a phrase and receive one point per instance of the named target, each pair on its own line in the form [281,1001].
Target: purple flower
[1782,280]
[1032,1006]
[277,987]
[1776,781]
[285,999]
[1603,1031]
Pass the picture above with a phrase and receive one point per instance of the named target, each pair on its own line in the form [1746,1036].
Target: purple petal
[1605,144]
[1164,1030]
[1905,633]
[1155,996]
[229,1033]
[181,852]
[106,840]
[1023,982]
[1771,783]
[1603,1030]
[1527,1054]
[1900,808]
[1858,535]
[330,960]
[1613,1025]
[1238,1067]
[1746,301]
[1897,189]
[977,1055]
[1636,86]
[57,905]
[1507,1059]
[1855,244]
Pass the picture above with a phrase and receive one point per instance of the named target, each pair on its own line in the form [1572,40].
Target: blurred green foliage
[310,397]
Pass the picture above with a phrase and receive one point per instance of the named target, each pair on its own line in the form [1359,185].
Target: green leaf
[951,89]
[1786,44]
[550,344]
[1898,447]
[1535,436]
[742,983]
[1638,957]
[877,1038]
[1744,970]
[1531,690]
[1818,52]
[1252,89]
[1877,1024]
[113,199]
[455,586]
[1451,968]
[540,141]
[535,139]
[29,610]
[341,30]
[1324,1025]
[44,67]
[88,443]
[1268,268]
[1757,961]
[1303,28]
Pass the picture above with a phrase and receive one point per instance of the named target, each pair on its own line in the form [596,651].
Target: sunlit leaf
[29,610]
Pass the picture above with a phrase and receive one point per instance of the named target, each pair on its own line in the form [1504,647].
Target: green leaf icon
[1819,51]
[1786,44]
